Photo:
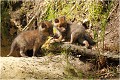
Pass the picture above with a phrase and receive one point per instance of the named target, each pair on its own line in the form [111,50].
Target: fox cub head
[61,24]
[46,27]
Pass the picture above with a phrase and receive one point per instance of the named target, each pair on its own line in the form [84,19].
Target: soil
[112,32]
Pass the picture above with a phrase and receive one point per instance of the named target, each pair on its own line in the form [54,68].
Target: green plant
[5,17]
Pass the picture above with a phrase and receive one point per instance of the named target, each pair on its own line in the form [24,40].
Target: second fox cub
[32,39]
[71,32]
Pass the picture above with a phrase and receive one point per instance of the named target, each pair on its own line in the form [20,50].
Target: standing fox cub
[32,39]
[71,32]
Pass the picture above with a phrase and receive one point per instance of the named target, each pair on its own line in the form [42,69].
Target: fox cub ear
[42,26]
[62,20]
[64,17]
[56,20]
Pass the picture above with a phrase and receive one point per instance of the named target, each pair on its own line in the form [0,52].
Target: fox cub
[32,39]
[71,32]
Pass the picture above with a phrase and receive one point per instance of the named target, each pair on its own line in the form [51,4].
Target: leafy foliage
[4,18]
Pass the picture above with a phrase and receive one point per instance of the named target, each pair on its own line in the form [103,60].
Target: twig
[113,10]
[31,21]
[71,9]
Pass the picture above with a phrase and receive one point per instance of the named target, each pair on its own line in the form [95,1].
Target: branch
[81,50]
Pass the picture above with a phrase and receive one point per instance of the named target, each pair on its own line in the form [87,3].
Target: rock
[46,67]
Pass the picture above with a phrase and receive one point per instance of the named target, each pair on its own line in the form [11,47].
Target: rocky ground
[48,67]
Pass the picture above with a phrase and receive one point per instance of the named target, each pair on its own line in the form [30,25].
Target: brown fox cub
[32,39]
[71,32]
